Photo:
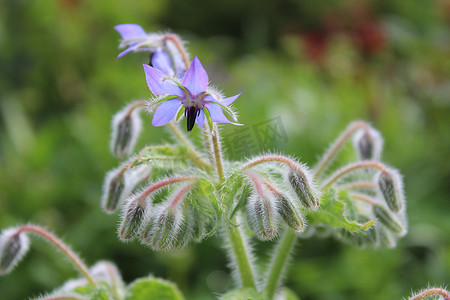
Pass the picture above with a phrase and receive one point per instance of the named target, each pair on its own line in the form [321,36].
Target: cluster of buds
[163,215]
[279,198]
[376,191]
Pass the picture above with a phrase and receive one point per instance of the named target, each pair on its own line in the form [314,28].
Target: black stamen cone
[191,115]
[150,59]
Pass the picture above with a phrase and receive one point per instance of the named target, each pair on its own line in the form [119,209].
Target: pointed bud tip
[389,220]
[290,213]
[390,186]
[113,190]
[126,127]
[13,247]
[368,143]
[132,218]
[303,185]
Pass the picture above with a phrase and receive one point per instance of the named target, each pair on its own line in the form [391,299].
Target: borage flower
[163,56]
[137,39]
[192,94]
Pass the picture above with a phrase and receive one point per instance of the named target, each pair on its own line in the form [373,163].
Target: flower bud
[388,219]
[113,189]
[126,127]
[290,213]
[108,272]
[303,186]
[13,247]
[368,144]
[390,186]
[161,230]
[262,214]
[132,217]
[386,237]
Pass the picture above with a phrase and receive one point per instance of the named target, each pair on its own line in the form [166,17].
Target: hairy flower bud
[368,144]
[388,219]
[262,214]
[302,183]
[162,229]
[126,127]
[13,247]
[390,187]
[113,189]
[132,217]
[290,213]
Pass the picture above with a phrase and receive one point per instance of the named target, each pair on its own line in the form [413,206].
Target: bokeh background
[314,65]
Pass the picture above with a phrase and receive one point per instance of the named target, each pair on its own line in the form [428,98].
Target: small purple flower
[192,94]
[137,39]
[163,56]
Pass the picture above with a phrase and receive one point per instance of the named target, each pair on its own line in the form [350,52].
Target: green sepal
[173,157]
[179,113]
[169,97]
[153,289]
[208,118]
[229,111]
[333,212]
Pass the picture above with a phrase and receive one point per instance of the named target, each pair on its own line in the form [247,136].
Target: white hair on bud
[375,139]
[106,195]
[12,259]
[398,186]
[119,147]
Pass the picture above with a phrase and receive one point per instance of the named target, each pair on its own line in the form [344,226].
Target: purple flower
[163,55]
[192,94]
[137,39]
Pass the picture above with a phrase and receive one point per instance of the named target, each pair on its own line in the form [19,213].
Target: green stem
[74,259]
[241,256]
[217,154]
[195,156]
[334,149]
[285,246]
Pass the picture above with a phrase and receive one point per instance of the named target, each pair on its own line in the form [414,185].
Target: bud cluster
[377,191]
[159,221]
[280,198]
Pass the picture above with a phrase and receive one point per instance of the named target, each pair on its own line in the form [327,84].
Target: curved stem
[74,259]
[176,41]
[195,156]
[164,183]
[334,149]
[62,297]
[431,292]
[358,185]
[350,168]
[279,262]
[270,158]
[363,198]
[136,104]
[241,255]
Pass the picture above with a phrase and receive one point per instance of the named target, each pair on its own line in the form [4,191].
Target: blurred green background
[315,66]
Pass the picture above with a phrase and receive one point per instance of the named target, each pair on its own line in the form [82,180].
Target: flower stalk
[74,259]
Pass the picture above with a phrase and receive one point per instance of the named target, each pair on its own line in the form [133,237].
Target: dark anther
[192,113]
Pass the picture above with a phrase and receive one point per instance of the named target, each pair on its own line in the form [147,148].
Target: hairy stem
[279,262]
[74,259]
[363,198]
[358,185]
[195,156]
[431,292]
[350,168]
[241,255]
[217,153]
[176,41]
[270,158]
[334,149]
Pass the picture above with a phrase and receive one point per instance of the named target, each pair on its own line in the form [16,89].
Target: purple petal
[216,113]
[165,112]
[200,119]
[126,51]
[159,86]
[229,100]
[161,61]
[195,79]
[130,31]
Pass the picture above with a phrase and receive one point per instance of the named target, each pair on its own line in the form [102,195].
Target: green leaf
[162,156]
[153,289]
[206,203]
[243,294]
[233,192]
[333,212]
